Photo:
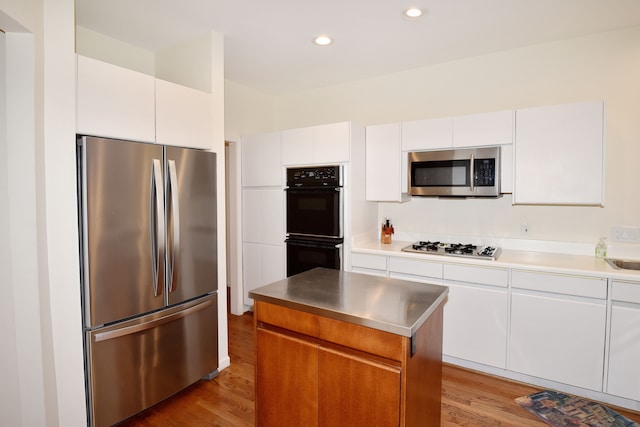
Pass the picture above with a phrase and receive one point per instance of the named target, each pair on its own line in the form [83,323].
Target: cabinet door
[263,215]
[475,324]
[494,128]
[331,143]
[383,167]
[261,160]
[624,351]
[261,264]
[558,339]
[559,155]
[354,390]
[251,269]
[297,146]
[287,380]
[427,134]
[183,116]
[114,102]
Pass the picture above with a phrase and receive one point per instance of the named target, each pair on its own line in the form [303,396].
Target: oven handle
[308,244]
[310,189]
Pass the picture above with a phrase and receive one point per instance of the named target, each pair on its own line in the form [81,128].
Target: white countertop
[543,261]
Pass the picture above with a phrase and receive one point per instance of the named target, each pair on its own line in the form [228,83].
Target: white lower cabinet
[623,378]
[374,265]
[261,265]
[476,314]
[415,269]
[558,328]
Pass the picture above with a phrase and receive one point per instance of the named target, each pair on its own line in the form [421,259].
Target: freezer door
[192,260]
[135,365]
[121,206]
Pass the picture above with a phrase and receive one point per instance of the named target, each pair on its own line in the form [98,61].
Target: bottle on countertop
[601,248]
[386,232]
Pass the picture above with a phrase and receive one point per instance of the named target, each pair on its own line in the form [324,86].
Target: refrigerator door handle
[129,330]
[157,225]
[175,224]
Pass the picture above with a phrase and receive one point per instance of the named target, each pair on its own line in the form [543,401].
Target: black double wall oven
[314,209]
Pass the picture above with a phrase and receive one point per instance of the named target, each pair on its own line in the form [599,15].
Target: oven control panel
[314,176]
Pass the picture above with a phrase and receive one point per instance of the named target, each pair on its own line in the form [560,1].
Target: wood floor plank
[469,398]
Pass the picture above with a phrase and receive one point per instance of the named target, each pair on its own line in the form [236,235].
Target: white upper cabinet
[383,164]
[427,134]
[331,143]
[261,160]
[114,102]
[183,116]
[297,146]
[559,155]
[318,145]
[475,130]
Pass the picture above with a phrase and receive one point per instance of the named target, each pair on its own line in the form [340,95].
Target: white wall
[603,66]
[98,46]
[247,111]
[43,242]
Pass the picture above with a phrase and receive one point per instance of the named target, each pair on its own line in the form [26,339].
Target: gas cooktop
[454,249]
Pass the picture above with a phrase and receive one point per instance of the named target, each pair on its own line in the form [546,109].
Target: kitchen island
[342,348]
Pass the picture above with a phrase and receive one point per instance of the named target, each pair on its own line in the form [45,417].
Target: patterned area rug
[560,410]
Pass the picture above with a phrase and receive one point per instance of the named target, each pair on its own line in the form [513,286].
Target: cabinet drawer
[377,262]
[369,340]
[590,287]
[480,275]
[415,267]
[626,292]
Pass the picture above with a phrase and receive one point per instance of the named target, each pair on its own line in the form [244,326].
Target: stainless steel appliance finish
[314,207]
[149,272]
[472,172]
[465,250]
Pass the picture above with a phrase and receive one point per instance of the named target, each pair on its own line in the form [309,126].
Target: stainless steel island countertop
[390,305]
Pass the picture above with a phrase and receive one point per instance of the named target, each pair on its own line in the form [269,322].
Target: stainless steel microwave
[465,172]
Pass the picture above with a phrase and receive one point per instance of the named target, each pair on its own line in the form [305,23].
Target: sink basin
[621,264]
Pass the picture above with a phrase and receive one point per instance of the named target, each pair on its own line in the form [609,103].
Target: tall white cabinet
[263,250]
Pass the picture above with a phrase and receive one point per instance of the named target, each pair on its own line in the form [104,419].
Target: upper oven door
[314,211]
[464,173]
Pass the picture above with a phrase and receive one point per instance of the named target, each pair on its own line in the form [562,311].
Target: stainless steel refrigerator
[149,272]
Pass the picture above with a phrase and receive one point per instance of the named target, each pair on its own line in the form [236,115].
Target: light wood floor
[468,398]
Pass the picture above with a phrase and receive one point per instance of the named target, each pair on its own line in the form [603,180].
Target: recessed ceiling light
[323,40]
[413,13]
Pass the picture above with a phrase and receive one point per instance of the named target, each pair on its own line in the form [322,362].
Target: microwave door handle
[472,173]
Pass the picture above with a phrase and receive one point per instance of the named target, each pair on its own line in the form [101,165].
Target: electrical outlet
[525,230]
[625,234]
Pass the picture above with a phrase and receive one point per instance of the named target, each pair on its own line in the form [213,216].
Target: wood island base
[311,370]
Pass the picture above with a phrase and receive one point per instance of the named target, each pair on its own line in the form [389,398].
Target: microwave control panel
[485,172]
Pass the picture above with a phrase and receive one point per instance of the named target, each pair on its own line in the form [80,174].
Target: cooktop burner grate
[454,249]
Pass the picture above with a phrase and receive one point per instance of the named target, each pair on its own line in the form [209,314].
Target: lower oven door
[303,255]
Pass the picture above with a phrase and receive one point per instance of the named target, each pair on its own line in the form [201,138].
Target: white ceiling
[268,42]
